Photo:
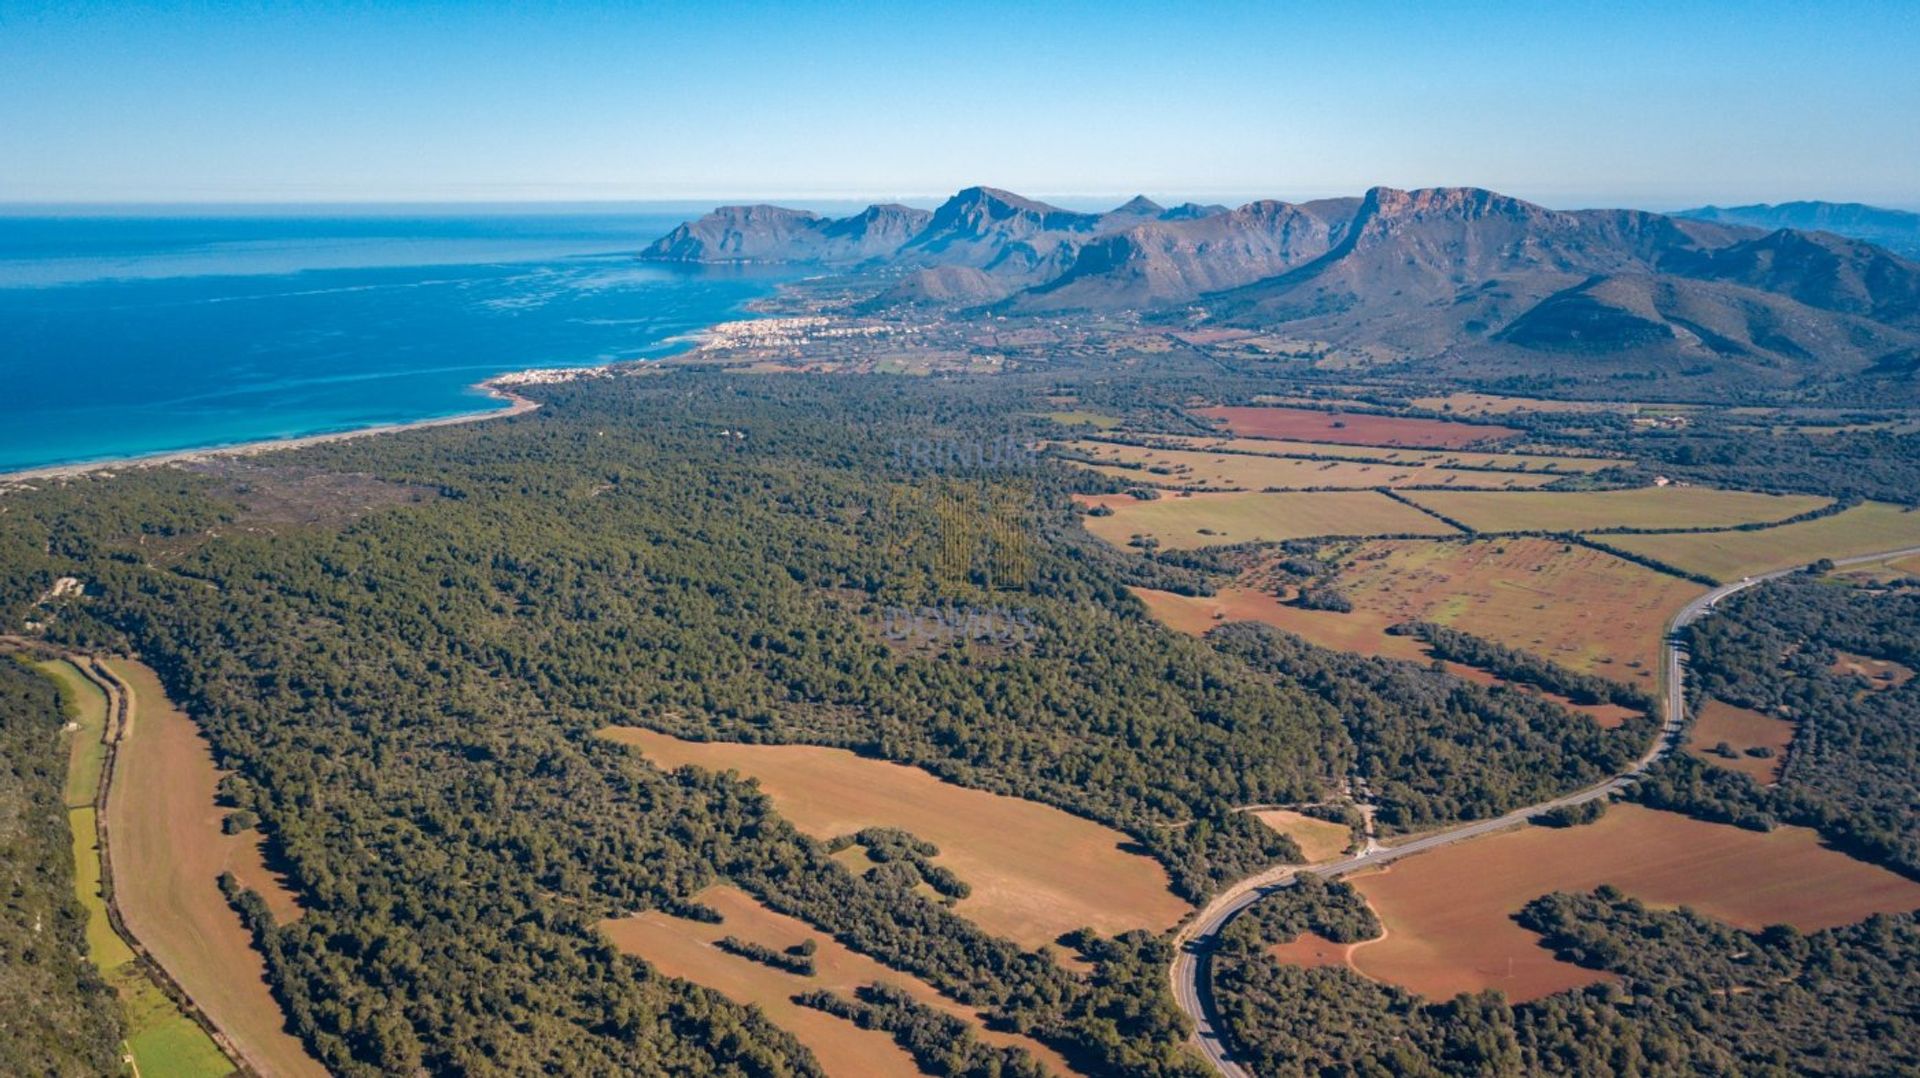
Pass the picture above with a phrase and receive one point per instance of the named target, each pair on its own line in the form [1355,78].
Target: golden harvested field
[1476,404]
[1360,631]
[1431,458]
[1036,872]
[1320,840]
[1864,529]
[1448,913]
[1646,507]
[1245,471]
[683,948]
[1582,608]
[1183,523]
[168,851]
[1741,728]
[1307,425]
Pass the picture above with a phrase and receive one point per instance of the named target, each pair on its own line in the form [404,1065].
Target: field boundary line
[119,717]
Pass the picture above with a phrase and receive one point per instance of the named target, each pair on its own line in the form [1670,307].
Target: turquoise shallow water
[125,336]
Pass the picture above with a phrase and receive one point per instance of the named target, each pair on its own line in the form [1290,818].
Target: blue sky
[1650,104]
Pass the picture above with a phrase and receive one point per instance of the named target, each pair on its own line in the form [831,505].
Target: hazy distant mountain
[1464,278]
[1187,211]
[1897,230]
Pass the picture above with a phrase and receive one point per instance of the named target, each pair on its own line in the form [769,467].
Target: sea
[136,333]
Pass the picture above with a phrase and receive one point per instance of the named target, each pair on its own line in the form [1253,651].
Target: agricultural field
[1364,632]
[1319,840]
[1645,507]
[1358,428]
[1199,520]
[1740,729]
[168,852]
[1448,913]
[160,1038]
[1035,871]
[1864,529]
[1479,404]
[1082,418]
[1581,608]
[1431,458]
[87,753]
[1245,471]
[1311,949]
[1360,631]
[679,947]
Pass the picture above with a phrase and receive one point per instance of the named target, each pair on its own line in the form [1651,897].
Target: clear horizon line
[42,205]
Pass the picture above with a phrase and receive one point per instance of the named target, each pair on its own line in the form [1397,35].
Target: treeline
[1511,664]
[940,1043]
[1883,465]
[1853,771]
[1695,997]
[59,1015]
[909,856]
[795,961]
[1437,749]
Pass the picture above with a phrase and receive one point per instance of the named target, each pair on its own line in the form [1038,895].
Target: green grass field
[1646,507]
[1864,529]
[104,945]
[86,706]
[1084,418]
[163,1041]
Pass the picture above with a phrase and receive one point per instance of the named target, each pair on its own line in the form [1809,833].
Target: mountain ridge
[1456,277]
[1897,230]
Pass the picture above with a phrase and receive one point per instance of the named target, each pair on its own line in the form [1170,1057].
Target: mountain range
[1896,230]
[1458,277]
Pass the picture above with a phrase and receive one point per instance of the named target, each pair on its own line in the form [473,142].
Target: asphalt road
[1192,962]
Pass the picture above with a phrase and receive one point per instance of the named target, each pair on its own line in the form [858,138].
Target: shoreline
[496,387]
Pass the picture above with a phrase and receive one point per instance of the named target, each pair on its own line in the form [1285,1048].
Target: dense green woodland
[57,1016]
[1693,996]
[1436,749]
[1853,771]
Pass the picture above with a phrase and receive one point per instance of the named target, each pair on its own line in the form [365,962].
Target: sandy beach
[497,388]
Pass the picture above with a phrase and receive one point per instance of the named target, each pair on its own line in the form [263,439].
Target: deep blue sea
[130,335]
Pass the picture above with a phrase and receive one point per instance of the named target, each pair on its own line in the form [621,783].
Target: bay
[130,335]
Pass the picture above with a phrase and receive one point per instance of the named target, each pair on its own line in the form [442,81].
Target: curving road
[1195,942]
